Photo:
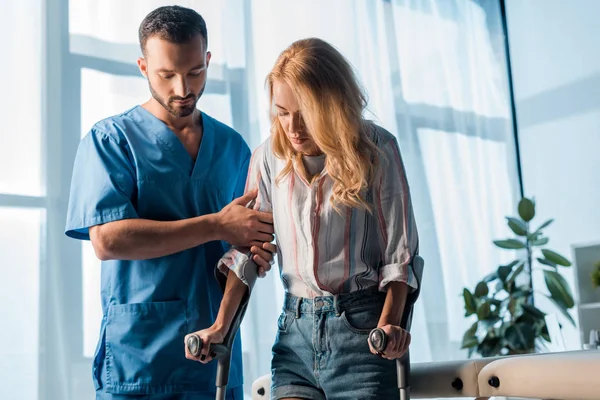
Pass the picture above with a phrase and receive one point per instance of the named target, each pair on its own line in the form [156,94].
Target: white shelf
[589,306]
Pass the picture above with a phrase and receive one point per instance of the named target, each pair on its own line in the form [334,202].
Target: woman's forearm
[235,290]
[395,301]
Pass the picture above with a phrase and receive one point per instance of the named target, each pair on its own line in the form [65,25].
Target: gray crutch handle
[194,346]
[378,340]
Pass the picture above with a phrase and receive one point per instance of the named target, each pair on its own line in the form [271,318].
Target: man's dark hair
[172,23]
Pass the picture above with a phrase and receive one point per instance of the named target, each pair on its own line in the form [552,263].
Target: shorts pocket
[284,322]
[363,320]
[144,347]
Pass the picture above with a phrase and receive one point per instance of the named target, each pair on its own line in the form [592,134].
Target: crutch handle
[194,346]
[378,340]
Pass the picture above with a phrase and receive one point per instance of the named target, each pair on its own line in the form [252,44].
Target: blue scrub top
[133,166]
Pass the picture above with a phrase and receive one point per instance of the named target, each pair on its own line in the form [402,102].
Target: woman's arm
[235,290]
[395,301]
[399,238]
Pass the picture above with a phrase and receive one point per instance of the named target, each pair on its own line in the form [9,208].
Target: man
[153,190]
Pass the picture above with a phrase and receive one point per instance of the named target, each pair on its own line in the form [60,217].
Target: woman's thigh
[351,371]
[292,366]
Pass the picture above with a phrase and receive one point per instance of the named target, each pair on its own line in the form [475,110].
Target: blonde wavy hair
[331,103]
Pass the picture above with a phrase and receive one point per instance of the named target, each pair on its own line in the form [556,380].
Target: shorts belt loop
[336,305]
[298,303]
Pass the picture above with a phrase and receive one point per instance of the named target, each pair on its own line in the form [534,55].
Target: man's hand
[244,227]
[208,336]
[398,342]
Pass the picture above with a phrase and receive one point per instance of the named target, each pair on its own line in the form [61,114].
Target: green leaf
[511,278]
[521,337]
[563,310]
[559,289]
[469,338]
[526,209]
[489,322]
[517,226]
[483,310]
[491,346]
[556,258]
[534,236]
[473,328]
[470,305]
[505,270]
[469,342]
[510,244]
[545,224]
[540,242]
[546,262]
[481,289]
[535,312]
[525,318]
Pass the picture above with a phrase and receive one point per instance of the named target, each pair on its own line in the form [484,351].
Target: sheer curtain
[435,72]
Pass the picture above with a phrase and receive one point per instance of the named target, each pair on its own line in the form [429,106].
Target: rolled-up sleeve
[398,230]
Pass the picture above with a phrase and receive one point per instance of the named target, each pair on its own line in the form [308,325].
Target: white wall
[556,76]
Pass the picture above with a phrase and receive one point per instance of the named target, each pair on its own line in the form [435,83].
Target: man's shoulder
[114,126]
[227,137]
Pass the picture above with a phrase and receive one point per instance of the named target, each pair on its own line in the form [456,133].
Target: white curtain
[435,72]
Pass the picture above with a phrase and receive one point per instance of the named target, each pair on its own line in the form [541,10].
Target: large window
[22,201]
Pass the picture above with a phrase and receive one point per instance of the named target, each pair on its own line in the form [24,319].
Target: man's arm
[140,239]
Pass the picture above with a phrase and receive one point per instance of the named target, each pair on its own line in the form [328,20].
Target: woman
[345,232]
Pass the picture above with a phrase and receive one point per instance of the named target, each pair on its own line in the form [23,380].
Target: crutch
[379,340]
[222,351]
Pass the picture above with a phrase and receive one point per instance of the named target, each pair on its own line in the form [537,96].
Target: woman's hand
[397,344]
[263,257]
[208,336]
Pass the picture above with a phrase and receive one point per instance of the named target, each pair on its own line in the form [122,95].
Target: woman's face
[288,113]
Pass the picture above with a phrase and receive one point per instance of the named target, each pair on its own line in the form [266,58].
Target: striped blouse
[322,251]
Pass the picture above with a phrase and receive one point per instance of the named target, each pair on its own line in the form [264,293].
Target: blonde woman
[345,231]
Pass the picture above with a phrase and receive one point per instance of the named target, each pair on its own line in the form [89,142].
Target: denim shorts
[321,351]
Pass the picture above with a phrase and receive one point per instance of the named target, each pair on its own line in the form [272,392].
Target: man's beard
[179,112]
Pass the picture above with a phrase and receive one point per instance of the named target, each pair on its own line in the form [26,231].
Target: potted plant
[506,320]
